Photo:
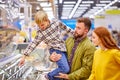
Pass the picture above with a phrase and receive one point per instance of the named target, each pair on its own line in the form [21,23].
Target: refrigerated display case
[35,67]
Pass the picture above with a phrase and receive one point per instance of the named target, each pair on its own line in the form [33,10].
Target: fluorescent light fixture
[47,9]
[64,11]
[56,1]
[75,8]
[91,12]
[100,4]
[63,17]
[110,4]
[113,7]
[42,0]
[65,14]
[68,5]
[37,8]
[82,8]
[68,8]
[45,4]
[71,2]
[97,7]
[99,11]
[78,12]
[3,5]
[86,15]
[105,1]
[60,1]
[84,5]
[77,15]
[87,1]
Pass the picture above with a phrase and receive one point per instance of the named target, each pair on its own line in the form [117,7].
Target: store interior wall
[110,21]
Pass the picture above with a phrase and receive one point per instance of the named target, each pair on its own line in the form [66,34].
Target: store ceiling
[68,9]
[65,9]
[71,9]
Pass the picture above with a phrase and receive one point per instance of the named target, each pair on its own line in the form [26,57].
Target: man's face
[80,30]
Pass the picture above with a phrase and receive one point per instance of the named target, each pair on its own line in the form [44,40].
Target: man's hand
[22,61]
[55,57]
[63,76]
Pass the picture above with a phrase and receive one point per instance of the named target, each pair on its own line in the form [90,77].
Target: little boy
[50,32]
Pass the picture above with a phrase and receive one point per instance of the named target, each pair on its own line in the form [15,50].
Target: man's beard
[76,35]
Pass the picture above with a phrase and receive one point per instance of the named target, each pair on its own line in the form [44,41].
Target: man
[80,52]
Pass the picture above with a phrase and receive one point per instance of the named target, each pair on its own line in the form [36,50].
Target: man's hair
[86,21]
[40,17]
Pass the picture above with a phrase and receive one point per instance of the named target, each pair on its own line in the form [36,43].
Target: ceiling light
[78,12]
[60,1]
[81,8]
[75,8]
[87,1]
[69,2]
[37,8]
[45,4]
[110,4]
[100,4]
[63,17]
[105,1]
[107,6]
[47,9]
[42,0]
[98,7]
[77,15]
[67,8]
[113,7]
[66,11]
[84,5]
[94,10]
[68,5]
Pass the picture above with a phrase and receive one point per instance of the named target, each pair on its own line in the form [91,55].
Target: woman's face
[95,39]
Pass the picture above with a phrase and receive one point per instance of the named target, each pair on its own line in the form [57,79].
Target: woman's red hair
[106,38]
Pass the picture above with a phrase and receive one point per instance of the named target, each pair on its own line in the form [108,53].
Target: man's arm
[85,70]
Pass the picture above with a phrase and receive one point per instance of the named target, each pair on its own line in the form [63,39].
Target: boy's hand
[55,57]
[22,61]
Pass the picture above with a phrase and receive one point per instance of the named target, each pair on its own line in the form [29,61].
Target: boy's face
[43,25]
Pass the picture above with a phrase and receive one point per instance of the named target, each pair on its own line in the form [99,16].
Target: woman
[106,63]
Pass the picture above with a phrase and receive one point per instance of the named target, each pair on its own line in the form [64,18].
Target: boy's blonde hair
[40,17]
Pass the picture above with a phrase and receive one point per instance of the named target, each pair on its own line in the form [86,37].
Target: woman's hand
[55,57]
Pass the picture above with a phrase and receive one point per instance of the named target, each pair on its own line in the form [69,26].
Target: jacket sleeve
[85,70]
[92,75]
